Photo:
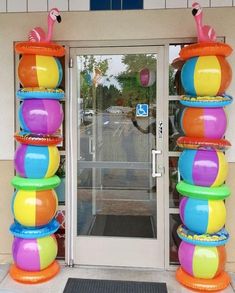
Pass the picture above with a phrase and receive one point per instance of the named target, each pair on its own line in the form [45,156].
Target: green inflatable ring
[35,184]
[200,192]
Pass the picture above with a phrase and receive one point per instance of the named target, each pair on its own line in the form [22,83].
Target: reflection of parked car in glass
[89,112]
[114,110]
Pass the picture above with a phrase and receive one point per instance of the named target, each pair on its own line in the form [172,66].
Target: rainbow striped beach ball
[202,216]
[34,254]
[40,71]
[204,122]
[206,76]
[204,262]
[33,208]
[40,116]
[36,161]
[203,167]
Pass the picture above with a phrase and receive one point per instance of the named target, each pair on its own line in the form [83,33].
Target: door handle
[154,153]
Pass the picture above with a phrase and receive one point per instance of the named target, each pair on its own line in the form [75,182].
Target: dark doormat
[106,286]
[122,226]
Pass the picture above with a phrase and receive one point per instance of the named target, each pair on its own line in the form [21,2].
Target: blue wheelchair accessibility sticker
[142,110]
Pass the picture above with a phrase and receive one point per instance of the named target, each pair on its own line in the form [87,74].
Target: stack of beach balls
[205,76]
[37,159]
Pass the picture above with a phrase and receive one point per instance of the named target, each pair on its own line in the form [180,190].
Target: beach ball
[204,122]
[36,161]
[202,216]
[34,254]
[147,77]
[33,208]
[40,116]
[206,76]
[40,71]
[203,167]
[205,262]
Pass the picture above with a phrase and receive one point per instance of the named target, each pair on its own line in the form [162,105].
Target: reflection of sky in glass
[116,66]
[173,52]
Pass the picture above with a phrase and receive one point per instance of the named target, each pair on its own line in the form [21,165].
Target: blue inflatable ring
[206,102]
[218,239]
[40,93]
[30,233]
[35,184]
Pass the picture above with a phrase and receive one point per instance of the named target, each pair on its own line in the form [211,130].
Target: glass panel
[175,66]
[175,131]
[60,190]
[174,238]
[173,180]
[132,4]
[116,4]
[100,5]
[60,233]
[117,131]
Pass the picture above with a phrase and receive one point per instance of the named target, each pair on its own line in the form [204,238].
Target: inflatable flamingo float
[38,34]
[205,33]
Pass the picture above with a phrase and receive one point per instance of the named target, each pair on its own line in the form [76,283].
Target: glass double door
[117,141]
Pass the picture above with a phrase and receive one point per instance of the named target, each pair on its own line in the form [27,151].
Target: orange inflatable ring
[44,140]
[38,48]
[205,49]
[34,277]
[216,284]
[195,143]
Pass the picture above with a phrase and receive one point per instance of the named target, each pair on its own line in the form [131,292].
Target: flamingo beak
[194,11]
[58,18]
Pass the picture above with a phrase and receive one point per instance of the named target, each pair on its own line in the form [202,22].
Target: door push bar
[154,153]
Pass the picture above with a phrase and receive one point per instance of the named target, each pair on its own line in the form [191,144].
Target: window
[116,4]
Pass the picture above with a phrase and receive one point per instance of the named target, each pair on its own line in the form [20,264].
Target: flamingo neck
[198,20]
[50,30]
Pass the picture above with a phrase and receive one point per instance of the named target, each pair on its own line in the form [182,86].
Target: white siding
[35,5]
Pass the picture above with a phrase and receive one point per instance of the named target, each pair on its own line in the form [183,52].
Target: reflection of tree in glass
[107,96]
[90,65]
[172,85]
[61,170]
[132,91]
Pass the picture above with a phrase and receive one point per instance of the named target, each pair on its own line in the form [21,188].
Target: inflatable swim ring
[35,184]
[205,49]
[40,93]
[216,284]
[30,233]
[206,101]
[34,277]
[34,139]
[217,239]
[199,192]
[40,48]
[203,143]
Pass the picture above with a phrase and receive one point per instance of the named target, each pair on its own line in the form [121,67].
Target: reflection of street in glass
[151,128]
[128,145]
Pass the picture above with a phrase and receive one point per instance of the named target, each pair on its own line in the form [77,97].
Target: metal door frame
[72,153]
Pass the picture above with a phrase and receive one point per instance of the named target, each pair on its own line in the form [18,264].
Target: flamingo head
[196,9]
[54,15]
